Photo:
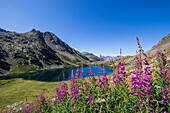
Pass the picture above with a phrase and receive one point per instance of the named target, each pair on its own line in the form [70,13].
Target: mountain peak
[91,56]
[163,41]
[41,50]
[2,30]
[34,30]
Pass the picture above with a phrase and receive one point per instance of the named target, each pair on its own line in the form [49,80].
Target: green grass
[17,90]
[23,69]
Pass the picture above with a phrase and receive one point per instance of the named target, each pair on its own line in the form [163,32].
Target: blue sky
[97,26]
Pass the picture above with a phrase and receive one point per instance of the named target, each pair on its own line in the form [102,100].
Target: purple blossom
[151,96]
[135,93]
[159,54]
[28,108]
[90,99]
[60,94]
[161,69]
[135,77]
[117,79]
[142,93]
[138,64]
[120,69]
[37,110]
[105,80]
[148,89]
[141,84]
[80,98]
[142,104]
[169,63]
[100,83]
[163,101]
[57,90]
[74,92]
[166,72]
[163,54]
[64,86]
[136,84]
[147,78]
[164,96]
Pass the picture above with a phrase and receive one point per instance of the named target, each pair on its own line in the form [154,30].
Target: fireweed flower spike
[100,83]
[61,93]
[74,92]
[121,74]
[105,80]
[141,86]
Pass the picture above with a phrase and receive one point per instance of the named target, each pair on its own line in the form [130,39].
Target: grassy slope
[12,91]
[17,90]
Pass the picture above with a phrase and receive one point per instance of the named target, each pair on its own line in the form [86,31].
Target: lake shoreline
[59,74]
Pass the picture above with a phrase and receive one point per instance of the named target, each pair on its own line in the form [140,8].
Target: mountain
[106,58]
[164,44]
[91,56]
[35,50]
[2,30]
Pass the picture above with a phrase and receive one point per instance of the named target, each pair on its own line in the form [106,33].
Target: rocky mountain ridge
[163,45]
[35,50]
[91,56]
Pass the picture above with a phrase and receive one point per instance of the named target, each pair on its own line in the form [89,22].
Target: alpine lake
[56,75]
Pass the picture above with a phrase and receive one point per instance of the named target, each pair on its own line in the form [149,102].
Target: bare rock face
[63,50]
[35,50]
[164,44]
[91,56]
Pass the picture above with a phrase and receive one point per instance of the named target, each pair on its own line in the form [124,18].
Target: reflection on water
[57,74]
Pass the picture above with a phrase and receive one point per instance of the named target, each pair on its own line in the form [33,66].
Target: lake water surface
[60,74]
